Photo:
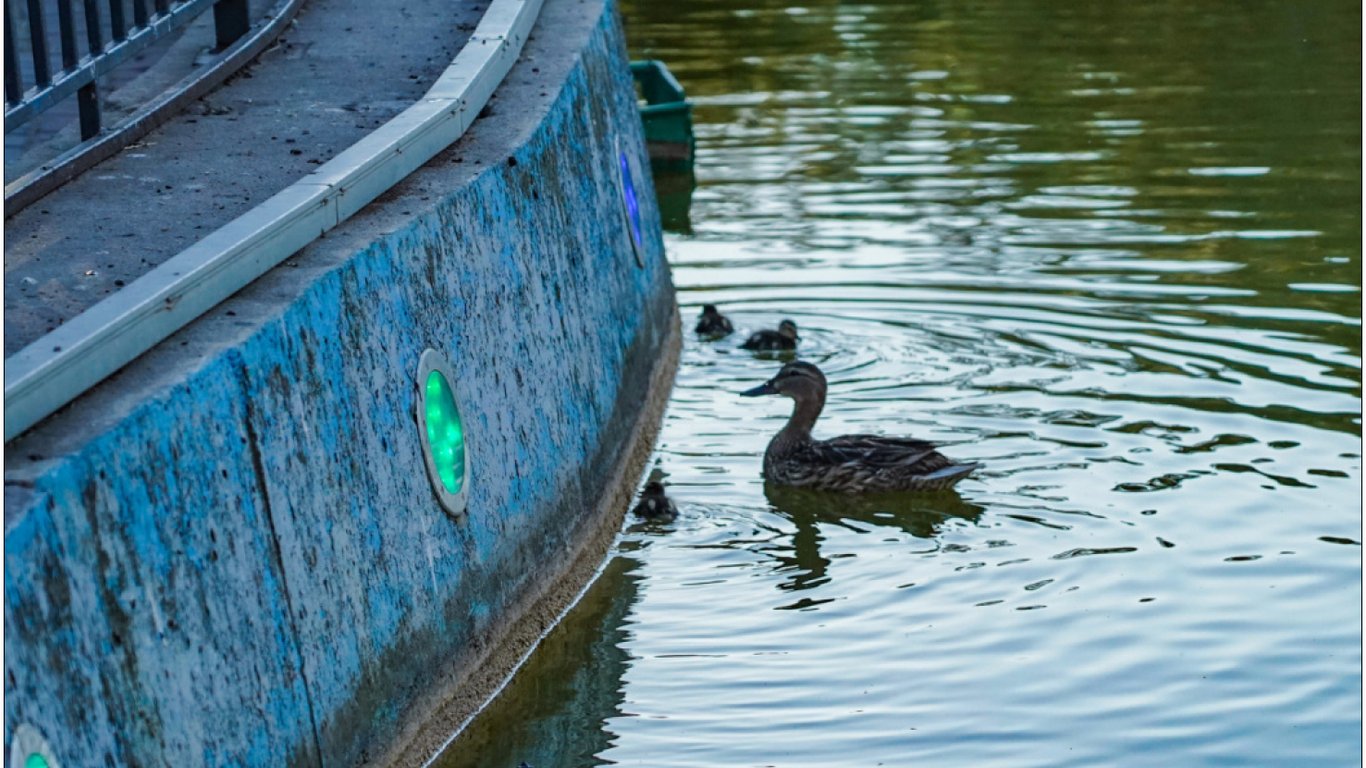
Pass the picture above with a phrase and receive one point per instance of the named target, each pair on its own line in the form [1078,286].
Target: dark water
[1111,250]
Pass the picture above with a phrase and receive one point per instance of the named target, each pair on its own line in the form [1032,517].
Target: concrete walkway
[342,70]
[131,85]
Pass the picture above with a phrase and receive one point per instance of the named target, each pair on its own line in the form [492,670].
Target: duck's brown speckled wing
[866,463]
[902,454]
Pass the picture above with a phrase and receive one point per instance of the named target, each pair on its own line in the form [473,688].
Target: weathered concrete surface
[344,68]
[229,552]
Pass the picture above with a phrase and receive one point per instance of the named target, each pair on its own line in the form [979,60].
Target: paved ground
[342,70]
[128,87]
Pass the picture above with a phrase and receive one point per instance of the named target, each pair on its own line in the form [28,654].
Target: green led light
[36,760]
[442,433]
[445,433]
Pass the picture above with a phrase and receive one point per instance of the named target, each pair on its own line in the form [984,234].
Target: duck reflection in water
[921,515]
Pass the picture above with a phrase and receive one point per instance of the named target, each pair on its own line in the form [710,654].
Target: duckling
[712,323]
[783,339]
[849,463]
[654,505]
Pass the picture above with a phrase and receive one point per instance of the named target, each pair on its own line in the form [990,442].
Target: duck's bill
[763,389]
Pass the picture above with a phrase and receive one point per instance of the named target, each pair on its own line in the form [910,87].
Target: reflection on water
[674,185]
[920,515]
[552,713]
[1110,250]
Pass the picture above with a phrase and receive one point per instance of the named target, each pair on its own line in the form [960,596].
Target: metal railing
[78,354]
[33,89]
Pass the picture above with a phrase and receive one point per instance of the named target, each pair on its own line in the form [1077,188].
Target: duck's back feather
[879,451]
[860,463]
[714,325]
[769,341]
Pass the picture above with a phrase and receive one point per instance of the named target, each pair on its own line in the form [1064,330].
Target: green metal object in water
[667,117]
[35,760]
[667,113]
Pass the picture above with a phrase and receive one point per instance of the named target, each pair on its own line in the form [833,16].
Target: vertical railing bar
[231,20]
[94,35]
[14,92]
[37,35]
[118,26]
[88,100]
[67,29]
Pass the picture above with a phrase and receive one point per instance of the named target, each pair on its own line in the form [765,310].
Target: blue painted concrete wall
[250,566]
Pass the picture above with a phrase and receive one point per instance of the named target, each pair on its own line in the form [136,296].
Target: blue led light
[628,192]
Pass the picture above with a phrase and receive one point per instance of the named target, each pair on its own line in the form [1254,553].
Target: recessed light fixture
[442,432]
[28,749]
[627,175]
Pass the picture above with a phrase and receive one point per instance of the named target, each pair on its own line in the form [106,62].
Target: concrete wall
[230,553]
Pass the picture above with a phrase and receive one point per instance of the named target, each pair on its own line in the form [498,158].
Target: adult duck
[781,340]
[848,463]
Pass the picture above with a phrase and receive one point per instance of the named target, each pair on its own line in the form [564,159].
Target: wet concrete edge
[108,575]
[472,683]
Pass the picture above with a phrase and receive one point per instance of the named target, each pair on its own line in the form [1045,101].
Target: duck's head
[653,488]
[788,329]
[709,310]
[798,380]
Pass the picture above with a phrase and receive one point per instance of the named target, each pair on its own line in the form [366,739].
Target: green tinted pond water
[1111,250]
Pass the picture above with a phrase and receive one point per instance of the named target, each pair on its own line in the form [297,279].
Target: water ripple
[1080,243]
